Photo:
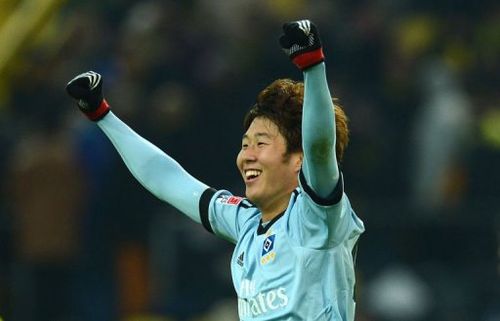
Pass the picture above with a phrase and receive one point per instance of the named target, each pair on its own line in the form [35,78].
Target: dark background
[80,239]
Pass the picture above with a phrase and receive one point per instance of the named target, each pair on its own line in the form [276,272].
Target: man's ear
[298,162]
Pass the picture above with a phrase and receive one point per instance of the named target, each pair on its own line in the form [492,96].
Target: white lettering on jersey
[260,303]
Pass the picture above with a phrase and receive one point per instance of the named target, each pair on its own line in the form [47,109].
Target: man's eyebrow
[257,135]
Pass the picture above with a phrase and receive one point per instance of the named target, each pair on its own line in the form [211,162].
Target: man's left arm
[320,169]
[301,42]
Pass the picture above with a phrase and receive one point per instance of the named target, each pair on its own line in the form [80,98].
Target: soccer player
[295,231]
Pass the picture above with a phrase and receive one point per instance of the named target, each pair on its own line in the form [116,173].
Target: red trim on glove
[100,112]
[309,59]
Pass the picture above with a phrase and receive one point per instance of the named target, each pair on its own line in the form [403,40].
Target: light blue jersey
[300,266]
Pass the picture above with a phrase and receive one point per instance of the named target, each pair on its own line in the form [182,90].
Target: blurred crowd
[80,239]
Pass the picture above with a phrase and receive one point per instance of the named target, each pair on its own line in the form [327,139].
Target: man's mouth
[251,174]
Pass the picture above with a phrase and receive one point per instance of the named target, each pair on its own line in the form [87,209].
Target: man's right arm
[155,170]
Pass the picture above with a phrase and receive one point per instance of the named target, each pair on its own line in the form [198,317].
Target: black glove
[87,89]
[302,44]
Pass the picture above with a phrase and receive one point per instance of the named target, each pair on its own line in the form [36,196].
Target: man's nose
[250,154]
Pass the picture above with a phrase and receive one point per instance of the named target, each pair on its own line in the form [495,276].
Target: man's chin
[252,197]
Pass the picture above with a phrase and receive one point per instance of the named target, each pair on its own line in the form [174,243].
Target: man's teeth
[252,173]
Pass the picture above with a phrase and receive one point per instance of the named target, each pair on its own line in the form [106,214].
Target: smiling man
[294,231]
[269,172]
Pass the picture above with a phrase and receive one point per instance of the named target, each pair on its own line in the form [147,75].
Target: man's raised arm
[302,43]
[155,170]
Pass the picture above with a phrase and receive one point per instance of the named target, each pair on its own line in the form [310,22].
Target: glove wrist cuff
[100,112]
[309,59]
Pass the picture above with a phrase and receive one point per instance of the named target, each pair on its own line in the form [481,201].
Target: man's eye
[261,144]
[244,145]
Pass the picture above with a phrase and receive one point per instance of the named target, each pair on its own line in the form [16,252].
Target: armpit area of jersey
[331,199]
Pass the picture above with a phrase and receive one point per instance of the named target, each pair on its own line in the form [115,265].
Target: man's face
[269,175]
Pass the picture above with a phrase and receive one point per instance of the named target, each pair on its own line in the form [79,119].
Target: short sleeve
[321,223]
[224,214]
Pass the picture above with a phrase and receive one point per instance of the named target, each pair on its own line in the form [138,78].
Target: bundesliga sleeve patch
[229,200]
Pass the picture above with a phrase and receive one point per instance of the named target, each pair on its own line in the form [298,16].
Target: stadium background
[81,240]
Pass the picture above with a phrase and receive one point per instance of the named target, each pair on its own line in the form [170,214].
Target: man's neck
[274,209]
